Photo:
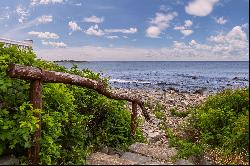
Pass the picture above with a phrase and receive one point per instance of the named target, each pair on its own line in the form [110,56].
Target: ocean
[180,75]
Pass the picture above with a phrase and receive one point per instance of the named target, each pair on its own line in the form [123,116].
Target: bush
[221,122]
[75,120]
[180,114]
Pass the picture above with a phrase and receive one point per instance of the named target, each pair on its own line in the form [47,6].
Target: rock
[239,79]
[155,163]
[139,159]
[183,162]
[184,102]
[9,160]
[205,161]
[173,89]
[110,151]
[157,137]
[104,159]
[194,77]
[200,91]
[235,78]
[156,152]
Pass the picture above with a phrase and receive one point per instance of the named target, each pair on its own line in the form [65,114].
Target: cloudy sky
[153,30]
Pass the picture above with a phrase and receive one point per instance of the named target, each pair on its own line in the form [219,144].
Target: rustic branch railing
[39,76]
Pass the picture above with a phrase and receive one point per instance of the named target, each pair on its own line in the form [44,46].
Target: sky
[130,30]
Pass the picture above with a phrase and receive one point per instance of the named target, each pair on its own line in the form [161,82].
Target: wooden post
[36,101]
[133,119]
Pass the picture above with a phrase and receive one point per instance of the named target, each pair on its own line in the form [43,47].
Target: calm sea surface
[184,76]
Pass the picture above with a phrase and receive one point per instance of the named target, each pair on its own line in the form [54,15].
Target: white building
[26,44]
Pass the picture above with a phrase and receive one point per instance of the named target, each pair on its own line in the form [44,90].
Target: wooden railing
[39,76]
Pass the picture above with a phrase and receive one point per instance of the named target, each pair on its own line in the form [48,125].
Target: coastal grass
[219,127]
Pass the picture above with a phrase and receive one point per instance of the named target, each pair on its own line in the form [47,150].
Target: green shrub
[185,148]
[181,114]
[75,120]
[221,122]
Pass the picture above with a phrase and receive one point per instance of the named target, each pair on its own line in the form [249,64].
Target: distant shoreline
[69,61]
[140,61]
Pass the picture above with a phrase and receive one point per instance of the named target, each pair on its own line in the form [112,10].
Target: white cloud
[234,36]
[159,23]
[127,31]
[23,13]
[179,28]
[220,20]
[164,8]
[184,29]
[193,42]
[5,13]
[94,31]
[45,2]
[78,4]
[200,7]
[94,19]
[54,44]
[35,22]
[234,42]
[74,27]
[4,16]
[44,35]
[112,37]
[45,19]
[186,32]
[162,20]
[233,45]
[245,26]
[188,23]
[153,32]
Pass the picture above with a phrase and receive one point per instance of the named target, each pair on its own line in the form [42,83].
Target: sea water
[180,75]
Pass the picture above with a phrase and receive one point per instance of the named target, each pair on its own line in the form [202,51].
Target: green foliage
[182,114]
[221,122]
[158,110]
[75,120]
[185,148]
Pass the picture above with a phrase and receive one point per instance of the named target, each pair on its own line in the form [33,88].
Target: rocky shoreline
[165,100]
[160,105]
[156,150]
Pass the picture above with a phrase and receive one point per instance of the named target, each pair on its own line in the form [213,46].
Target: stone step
[9,160]
[153,151]
[105,159]
[140,159]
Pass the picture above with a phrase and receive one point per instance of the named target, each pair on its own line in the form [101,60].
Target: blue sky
[130,29]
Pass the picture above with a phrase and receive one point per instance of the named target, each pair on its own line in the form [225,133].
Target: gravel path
[157,151]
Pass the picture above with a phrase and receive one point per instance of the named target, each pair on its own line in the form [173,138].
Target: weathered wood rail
[38,76]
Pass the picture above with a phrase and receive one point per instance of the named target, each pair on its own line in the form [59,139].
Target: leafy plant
[75,120]
[221,122]
[158,110]
[182,114]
